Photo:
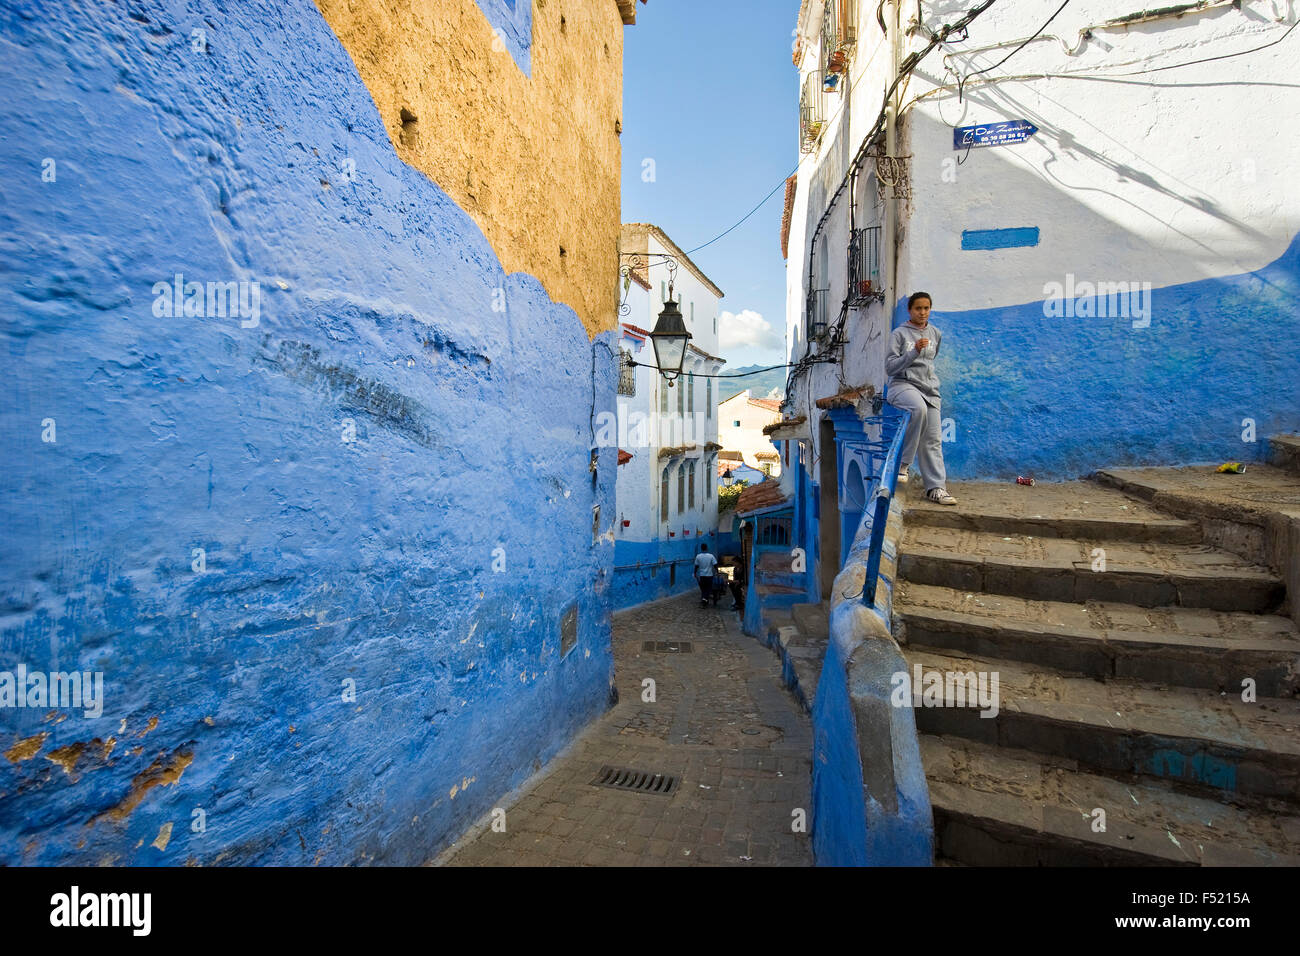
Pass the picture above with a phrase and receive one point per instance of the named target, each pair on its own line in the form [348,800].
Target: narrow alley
[721,724]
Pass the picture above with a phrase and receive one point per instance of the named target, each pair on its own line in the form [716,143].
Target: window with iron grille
[663,495]
[839,34]
[708,398]
[690,393]
[812,112]
[710,476]
[691,482]
[681,488]
[626,373]
[838,37]
[817,312]
[864,265]
[681,396]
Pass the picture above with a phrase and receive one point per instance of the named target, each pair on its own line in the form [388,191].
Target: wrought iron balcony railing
[864,266]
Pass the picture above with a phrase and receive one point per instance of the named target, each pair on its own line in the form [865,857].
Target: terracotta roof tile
[763,495]
[676,450]
[788,212]
[847,399]
[771,404]
[768,429]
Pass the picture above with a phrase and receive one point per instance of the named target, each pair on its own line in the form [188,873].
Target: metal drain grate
[669,647]
[638,781]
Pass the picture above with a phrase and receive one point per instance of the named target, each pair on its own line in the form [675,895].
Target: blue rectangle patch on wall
[999,238]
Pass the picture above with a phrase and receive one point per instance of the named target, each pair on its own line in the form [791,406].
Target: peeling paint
[26,749]
[66,757]
[158,773]
[164,836]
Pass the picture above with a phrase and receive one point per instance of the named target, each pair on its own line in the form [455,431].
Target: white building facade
[741,420]
[1100,200]
[666,493]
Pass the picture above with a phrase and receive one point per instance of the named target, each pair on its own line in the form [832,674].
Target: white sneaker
[902,478]
[940,496]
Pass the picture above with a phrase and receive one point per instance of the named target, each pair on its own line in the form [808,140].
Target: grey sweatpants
[923,442]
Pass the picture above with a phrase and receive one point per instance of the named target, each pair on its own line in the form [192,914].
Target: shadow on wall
[1090,375]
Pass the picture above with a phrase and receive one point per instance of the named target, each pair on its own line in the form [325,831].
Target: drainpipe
[891,149]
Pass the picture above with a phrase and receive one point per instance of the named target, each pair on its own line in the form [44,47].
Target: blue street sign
[993,134]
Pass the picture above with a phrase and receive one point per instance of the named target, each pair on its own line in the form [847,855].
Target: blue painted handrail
[878,461]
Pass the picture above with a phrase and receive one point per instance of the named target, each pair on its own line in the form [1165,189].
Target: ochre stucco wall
[535,161]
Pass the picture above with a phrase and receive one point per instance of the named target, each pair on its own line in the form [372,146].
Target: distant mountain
[759,385]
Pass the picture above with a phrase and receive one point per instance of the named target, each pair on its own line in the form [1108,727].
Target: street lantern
[728,477]
[669,338]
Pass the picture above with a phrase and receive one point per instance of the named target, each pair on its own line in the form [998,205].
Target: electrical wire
[760,205]
[757,371]
[961,82]
[904,71]
[1210,59]
[847,93]
[1095,77]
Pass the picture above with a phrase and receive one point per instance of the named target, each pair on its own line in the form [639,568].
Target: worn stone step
[1071,509]
[1255,514]
[1284,452]
[996,806]
[1200,740]
[812,619]
[773,620]
[1060,569]
[1187,647]
[777,567]
[778,595]
[801,655]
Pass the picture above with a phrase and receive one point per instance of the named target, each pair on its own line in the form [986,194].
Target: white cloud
[748,330]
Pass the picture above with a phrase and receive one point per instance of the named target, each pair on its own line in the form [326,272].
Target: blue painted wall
[650,581]
[852,717]
[513,22]
[261,158]
[1061,397]
[839,817]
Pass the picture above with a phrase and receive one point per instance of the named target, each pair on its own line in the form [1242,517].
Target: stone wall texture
[535,159]
[322,551]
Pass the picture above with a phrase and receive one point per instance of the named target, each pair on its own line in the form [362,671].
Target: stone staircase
[1120,642]
[799,637]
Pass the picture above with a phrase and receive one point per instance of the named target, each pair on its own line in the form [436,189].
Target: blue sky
[711,96]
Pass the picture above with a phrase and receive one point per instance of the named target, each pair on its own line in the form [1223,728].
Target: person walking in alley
[705,566]
[913,385]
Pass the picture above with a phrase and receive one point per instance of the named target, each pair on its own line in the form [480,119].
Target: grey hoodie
[905,364]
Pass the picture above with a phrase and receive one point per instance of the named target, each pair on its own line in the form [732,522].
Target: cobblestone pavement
[721,722]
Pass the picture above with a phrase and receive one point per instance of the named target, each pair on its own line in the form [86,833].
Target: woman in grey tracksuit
[912,384]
